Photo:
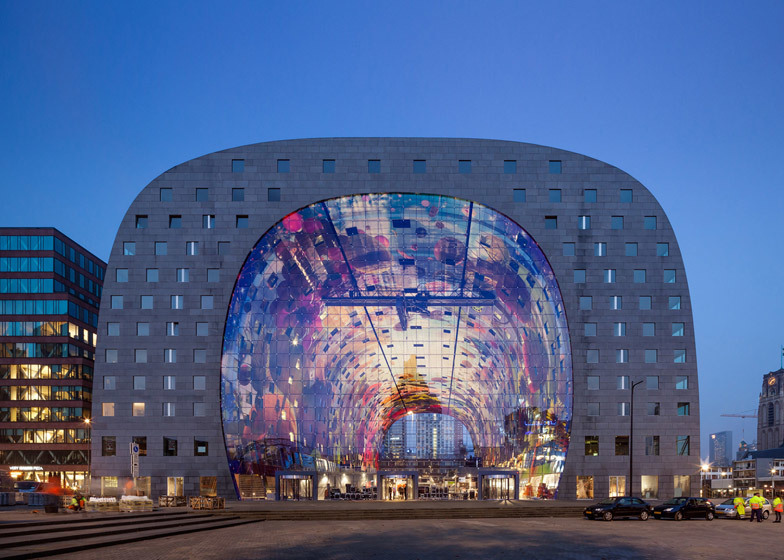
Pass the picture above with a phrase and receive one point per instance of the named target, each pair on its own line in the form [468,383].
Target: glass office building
[275,311]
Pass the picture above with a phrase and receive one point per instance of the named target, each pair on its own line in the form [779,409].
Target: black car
[624,506]
[686,508]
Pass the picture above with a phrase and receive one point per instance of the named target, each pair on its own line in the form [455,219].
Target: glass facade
[354,312]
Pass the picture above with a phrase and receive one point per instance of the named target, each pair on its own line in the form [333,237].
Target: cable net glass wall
[353,312]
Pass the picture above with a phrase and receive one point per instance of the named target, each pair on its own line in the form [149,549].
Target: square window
[108,446]
[170,356]
[591,446]
[284,166]
[161,248]
[669,277]
[650,222]
[652,382]
[651,445]
[152,275]
[142,329]
[622,382]
[510,166]
[631,249]
[328,166]
[199,382]
[626,195]
[519,195]
[237,195]
[622,356]
[616,222]
[147,302]
[683,409]
[616,303]
[592,356]
[200,356]
[593,409]
[177,302]
[653,408]
[200,447]
[165,195]
[639,276]
[609,276]
[129,248]
[593,382]
[199,409]
[677,329]
[139,383]
[168,409]
[662,249]
[202,329]
[140,356]
[579,276]
[213,275]
[555,195]
[138,408]
[555,166]
[242,222]
[172,328]
[169,382]
[121,275]
[681,382]
[237,165]
[586,303]
[111,355]
[113,329]
[679,356]
[175,222]
[590,329]
[202,195]
[568,249]
[621,445]
[551,222]
[207,302]
[191,248]
[107,409]
[619,329]
[208,221]
[675,303]
[183,274]
[420,166]
[649,329]
[117,302]
[583,222]
[651,356]
[623,409]
[223,247]
[682,444]
[273,195]
[645,303]
[600,249]
[374,166]
[141,222]
[169,447]
[589,195]
[464,166]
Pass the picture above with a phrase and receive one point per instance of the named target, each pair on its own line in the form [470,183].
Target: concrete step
[83,517]
[39,549]
[405,513]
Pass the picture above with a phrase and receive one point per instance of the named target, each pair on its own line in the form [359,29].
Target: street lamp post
[631,437]
[89,452]
[773,483]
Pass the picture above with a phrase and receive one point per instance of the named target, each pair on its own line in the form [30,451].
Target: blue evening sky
[98,98]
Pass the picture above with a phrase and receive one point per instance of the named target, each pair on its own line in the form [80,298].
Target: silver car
[727,510]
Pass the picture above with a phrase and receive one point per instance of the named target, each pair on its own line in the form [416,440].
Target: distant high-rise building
[721,449]
[427,436]
[770,428]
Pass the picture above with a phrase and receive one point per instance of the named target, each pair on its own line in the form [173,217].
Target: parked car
[623,506]
[727,510]
[685,508]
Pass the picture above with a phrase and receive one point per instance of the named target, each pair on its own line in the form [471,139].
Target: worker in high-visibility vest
[778,507]
[756,507]
[739,505]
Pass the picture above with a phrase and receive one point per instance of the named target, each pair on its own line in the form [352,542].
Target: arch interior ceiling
[352,312]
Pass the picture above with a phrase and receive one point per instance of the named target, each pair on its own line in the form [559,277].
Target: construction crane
[743,428]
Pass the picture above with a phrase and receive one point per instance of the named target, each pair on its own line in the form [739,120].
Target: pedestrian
[756,507]
[778,507]
[740,508]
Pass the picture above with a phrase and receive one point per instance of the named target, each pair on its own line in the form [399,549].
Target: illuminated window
[138,409]
[592,446]
[107,409]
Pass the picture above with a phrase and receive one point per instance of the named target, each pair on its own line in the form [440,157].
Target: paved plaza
[550,538]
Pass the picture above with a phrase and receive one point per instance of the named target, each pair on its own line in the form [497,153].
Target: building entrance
[398,485]
[295,486]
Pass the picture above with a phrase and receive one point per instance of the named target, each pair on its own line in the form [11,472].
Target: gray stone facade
[664,351]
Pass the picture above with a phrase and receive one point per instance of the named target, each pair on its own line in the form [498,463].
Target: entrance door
[397,487]
[498,487]
[296,488]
